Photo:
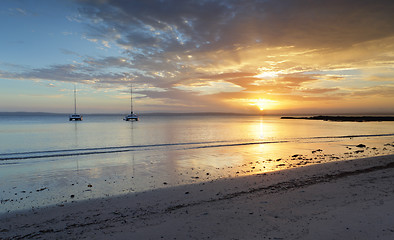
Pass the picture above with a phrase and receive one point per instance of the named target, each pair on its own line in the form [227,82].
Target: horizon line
[201,113]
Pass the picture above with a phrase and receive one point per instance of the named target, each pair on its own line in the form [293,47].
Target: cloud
[21,11]
[318,90]
[387,91]
[222,24]
[207,53]
[208,88]
[108,62]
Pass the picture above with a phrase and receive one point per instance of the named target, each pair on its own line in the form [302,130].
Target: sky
[244,56]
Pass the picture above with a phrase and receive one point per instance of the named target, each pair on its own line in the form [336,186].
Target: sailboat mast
[131,98]
[75,100]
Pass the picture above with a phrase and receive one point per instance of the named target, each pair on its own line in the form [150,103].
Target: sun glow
[268,73]
[263,104]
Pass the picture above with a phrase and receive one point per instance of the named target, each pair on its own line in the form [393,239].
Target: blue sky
[289,56]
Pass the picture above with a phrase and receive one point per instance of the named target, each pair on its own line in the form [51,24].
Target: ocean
[47,160]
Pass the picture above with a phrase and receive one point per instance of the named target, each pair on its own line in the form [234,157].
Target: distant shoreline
[347,118]
[140,114]
[343,117]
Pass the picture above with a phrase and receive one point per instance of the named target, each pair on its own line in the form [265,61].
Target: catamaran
[75,116]
[132,116]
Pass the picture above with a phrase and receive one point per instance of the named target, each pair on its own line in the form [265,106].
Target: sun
[263,104]
[260,104]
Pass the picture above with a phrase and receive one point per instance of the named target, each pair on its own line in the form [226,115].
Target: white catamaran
[75,116]
[132,116]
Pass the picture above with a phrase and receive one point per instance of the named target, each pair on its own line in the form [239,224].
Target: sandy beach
[213,119]
[341,200]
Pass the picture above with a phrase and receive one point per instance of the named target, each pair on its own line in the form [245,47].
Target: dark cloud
[68,73]
[108,62]
[165,25]
[170,25]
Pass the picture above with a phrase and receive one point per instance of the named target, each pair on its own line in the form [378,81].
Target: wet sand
[340,200]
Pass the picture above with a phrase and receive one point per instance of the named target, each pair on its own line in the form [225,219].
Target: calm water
[46,160]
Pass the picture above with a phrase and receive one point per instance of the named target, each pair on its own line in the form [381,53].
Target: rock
[41,189]
[361,146]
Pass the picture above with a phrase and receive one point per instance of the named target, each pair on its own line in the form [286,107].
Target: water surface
[48,160]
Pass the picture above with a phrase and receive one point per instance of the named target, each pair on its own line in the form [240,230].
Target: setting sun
[263,104]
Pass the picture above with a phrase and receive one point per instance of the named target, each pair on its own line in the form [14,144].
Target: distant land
[199,114]
[141,114]
[29,114]
[347,118]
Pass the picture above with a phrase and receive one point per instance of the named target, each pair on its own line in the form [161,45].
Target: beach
[339,200]
[209,119]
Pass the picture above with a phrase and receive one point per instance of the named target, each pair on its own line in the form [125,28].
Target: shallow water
[48,160]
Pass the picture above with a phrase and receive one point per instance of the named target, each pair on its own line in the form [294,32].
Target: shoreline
[135,215]
[131,173]
[346,118]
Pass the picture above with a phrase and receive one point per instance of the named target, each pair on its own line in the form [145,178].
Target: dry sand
[342,200]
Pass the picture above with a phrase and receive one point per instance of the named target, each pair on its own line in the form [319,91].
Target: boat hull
[75,117]
[131,118]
